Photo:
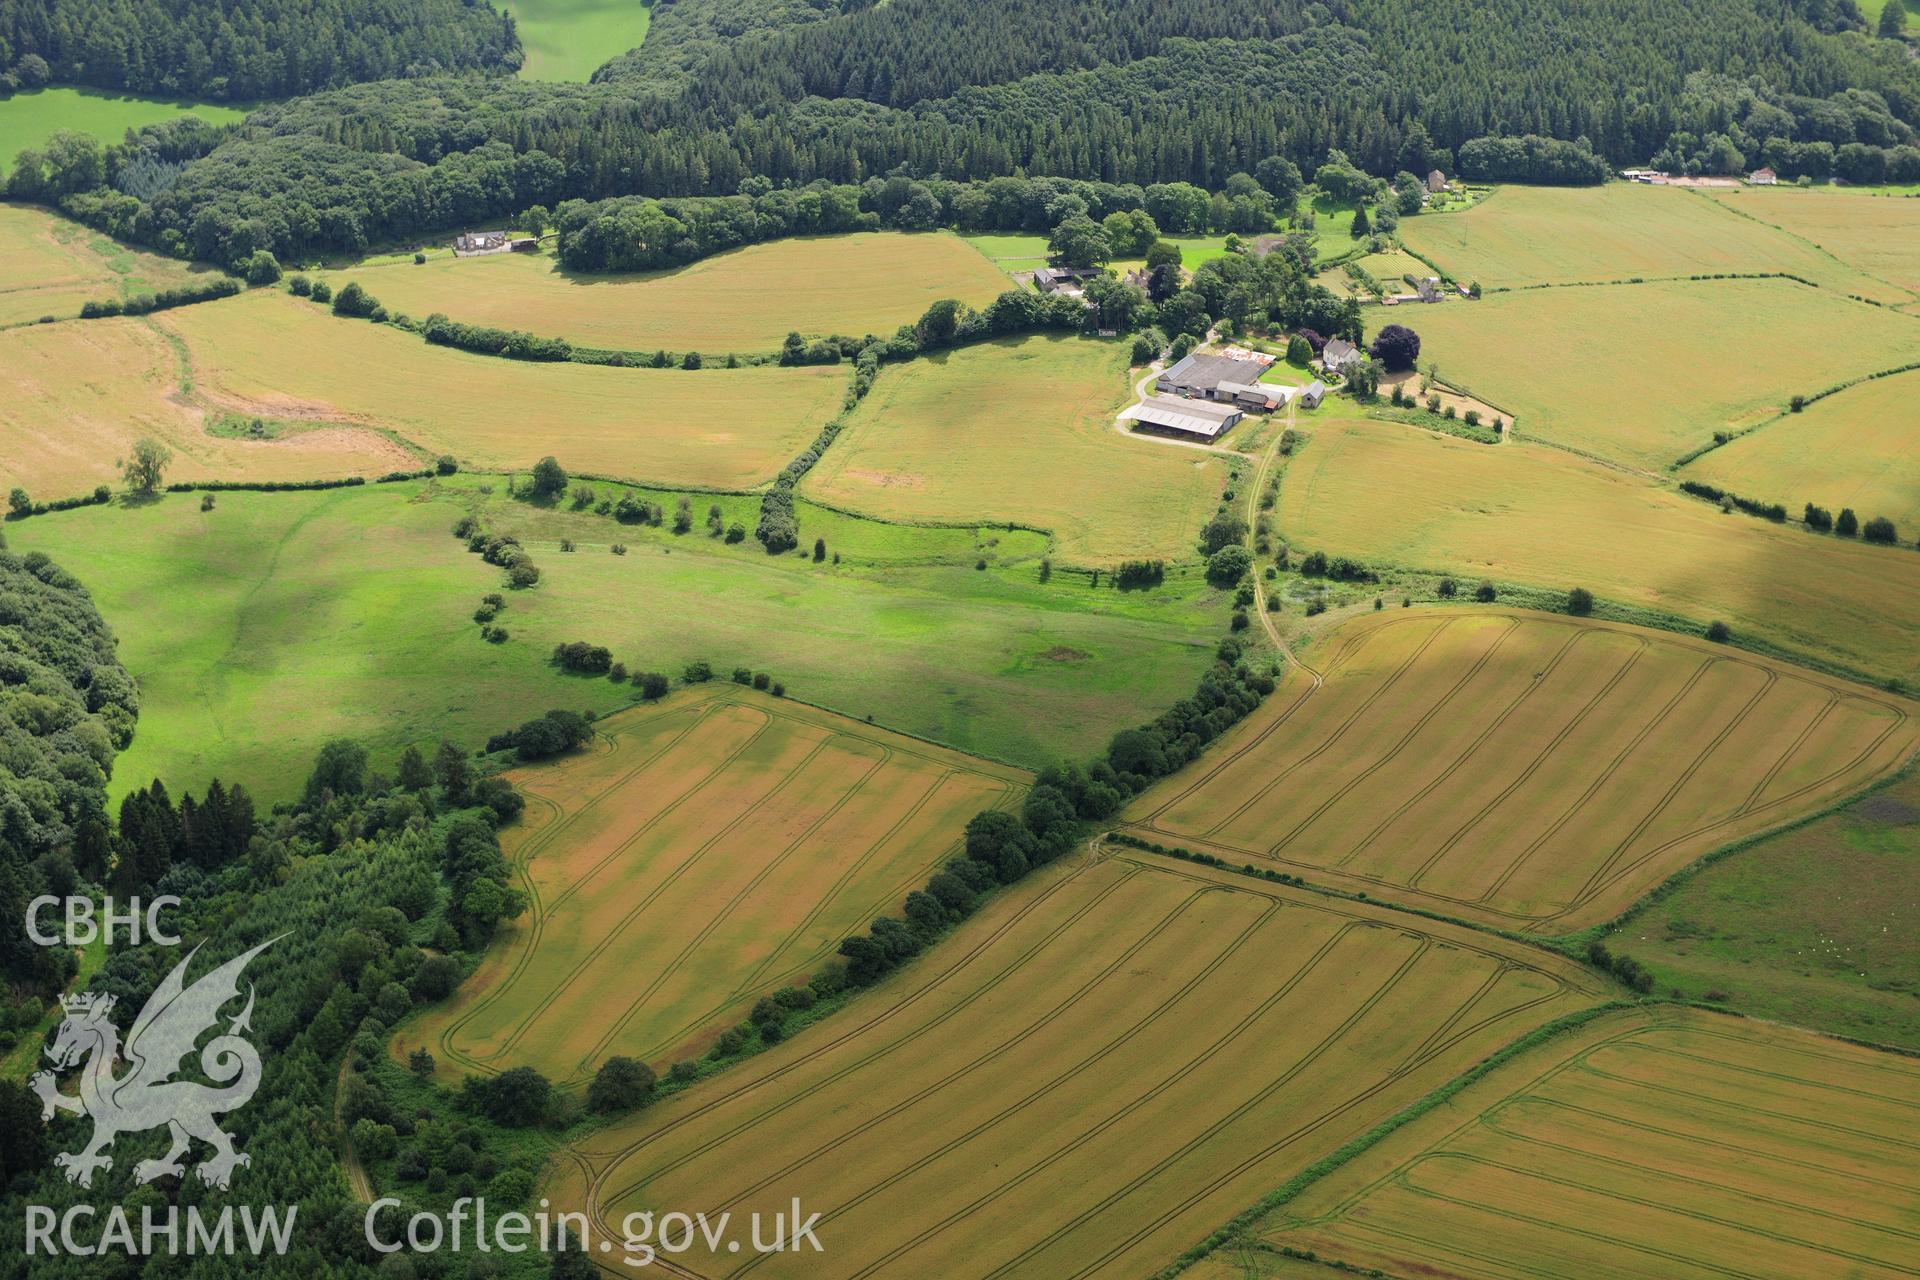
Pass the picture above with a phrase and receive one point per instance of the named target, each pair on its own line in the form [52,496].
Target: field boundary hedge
[1728,437]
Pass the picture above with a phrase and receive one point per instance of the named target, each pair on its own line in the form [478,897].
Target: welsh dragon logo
[147,1097]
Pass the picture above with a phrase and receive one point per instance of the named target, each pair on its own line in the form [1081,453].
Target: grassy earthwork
[54,265]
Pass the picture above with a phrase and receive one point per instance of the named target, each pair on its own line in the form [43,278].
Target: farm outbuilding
[1068,280]
[1312,394]
[1204,376]
[1189,417]
[1253,397]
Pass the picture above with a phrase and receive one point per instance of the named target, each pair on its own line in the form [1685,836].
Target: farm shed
[1189,417]
[1252,396]
[1312,394]
[1763,177]
[1203,376]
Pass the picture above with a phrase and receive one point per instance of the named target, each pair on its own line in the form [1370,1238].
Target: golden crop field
[1086,1078]
[75,396]
[53,265]
[1021,430]
[1880,237]
[745,301]
[718,849]
[1856,449]
[1524,770]
[271,353]
[1540,516]
[1642,374]
[1648,1145]
[1620,231]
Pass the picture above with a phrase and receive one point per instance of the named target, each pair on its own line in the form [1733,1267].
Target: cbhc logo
[84,922]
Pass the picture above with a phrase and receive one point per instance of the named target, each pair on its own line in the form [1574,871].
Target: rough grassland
[1664,1145]
[1880,237]
[745,301]
[77,395]
[29,119]
[275,622]
[718,849]
[1813,926]
[1560,235]
[1021,430]
[53,265]
[569,39]
[1522,770]
[1083,1080]
[271,353]
[1642,374]
[1856,449]
[1527,514]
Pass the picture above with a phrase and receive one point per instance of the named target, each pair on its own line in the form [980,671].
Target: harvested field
[1656,1145]
[1878,236]
[716,849]
[1522,770]
[1527,514]
[1524,236]
[1853,449]
[1021,430]
[270,353]
[53,265]
[1086,1078]
[745,301]
[1641,374]
[78,395]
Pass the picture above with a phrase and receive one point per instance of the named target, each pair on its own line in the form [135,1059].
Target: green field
[1642,374]
[275,622]
[1854,449]
[569,39]
[28,119]
[1813,926]
[1524,236]
[1021,429]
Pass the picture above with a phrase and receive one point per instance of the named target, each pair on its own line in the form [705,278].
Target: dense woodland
[245,52]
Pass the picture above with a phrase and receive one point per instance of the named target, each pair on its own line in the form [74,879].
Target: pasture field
[570,39]
[1527,514]
[1855,448]
[1647,1145]
[277,621]
[77,395]
[29,119]
[745,301]
[1523,770]
[1021,430]
[1875,236]
[718,850]
[1642,374]
[54,265]
[1522,236]
[270,353]
[1087,1077]
[1813,926]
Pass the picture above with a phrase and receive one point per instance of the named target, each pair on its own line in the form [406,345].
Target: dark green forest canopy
[243,51]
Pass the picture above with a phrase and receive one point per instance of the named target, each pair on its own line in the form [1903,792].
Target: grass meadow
[570,39]
[79,394]
[1647,1145]
[1853,449]
[1543,517]
[1087,1077]
[1813,926]
[1522,236]
[1021,430]
[1880,237]
[1522,770]
[275,622]
[29,119]
[745,301]
[270,353]
[1643,374]
[54,265]
[718,850]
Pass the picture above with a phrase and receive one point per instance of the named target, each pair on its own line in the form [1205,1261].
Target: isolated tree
[1579,602]
[1163,253]
[1847,524]
[1719,632]
[144,469]
[621,1084]
[1397,347]
[549,478]
[261,267]
[1880,529]
[420,1062]
[19,503]
[454,772]
[1228,565]
[1893,20]
[1361,227]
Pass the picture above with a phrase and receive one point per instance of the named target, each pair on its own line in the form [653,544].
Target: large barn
[1204,376]
[1188,417]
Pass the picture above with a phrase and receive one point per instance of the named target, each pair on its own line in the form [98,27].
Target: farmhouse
[1429,287]
[1339,355]
[1763,177]
[1206,376]
[468,243]
[1436,181]
[1189,417]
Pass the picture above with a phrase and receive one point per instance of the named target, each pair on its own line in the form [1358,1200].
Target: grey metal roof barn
[1193,417]
[1199,375]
